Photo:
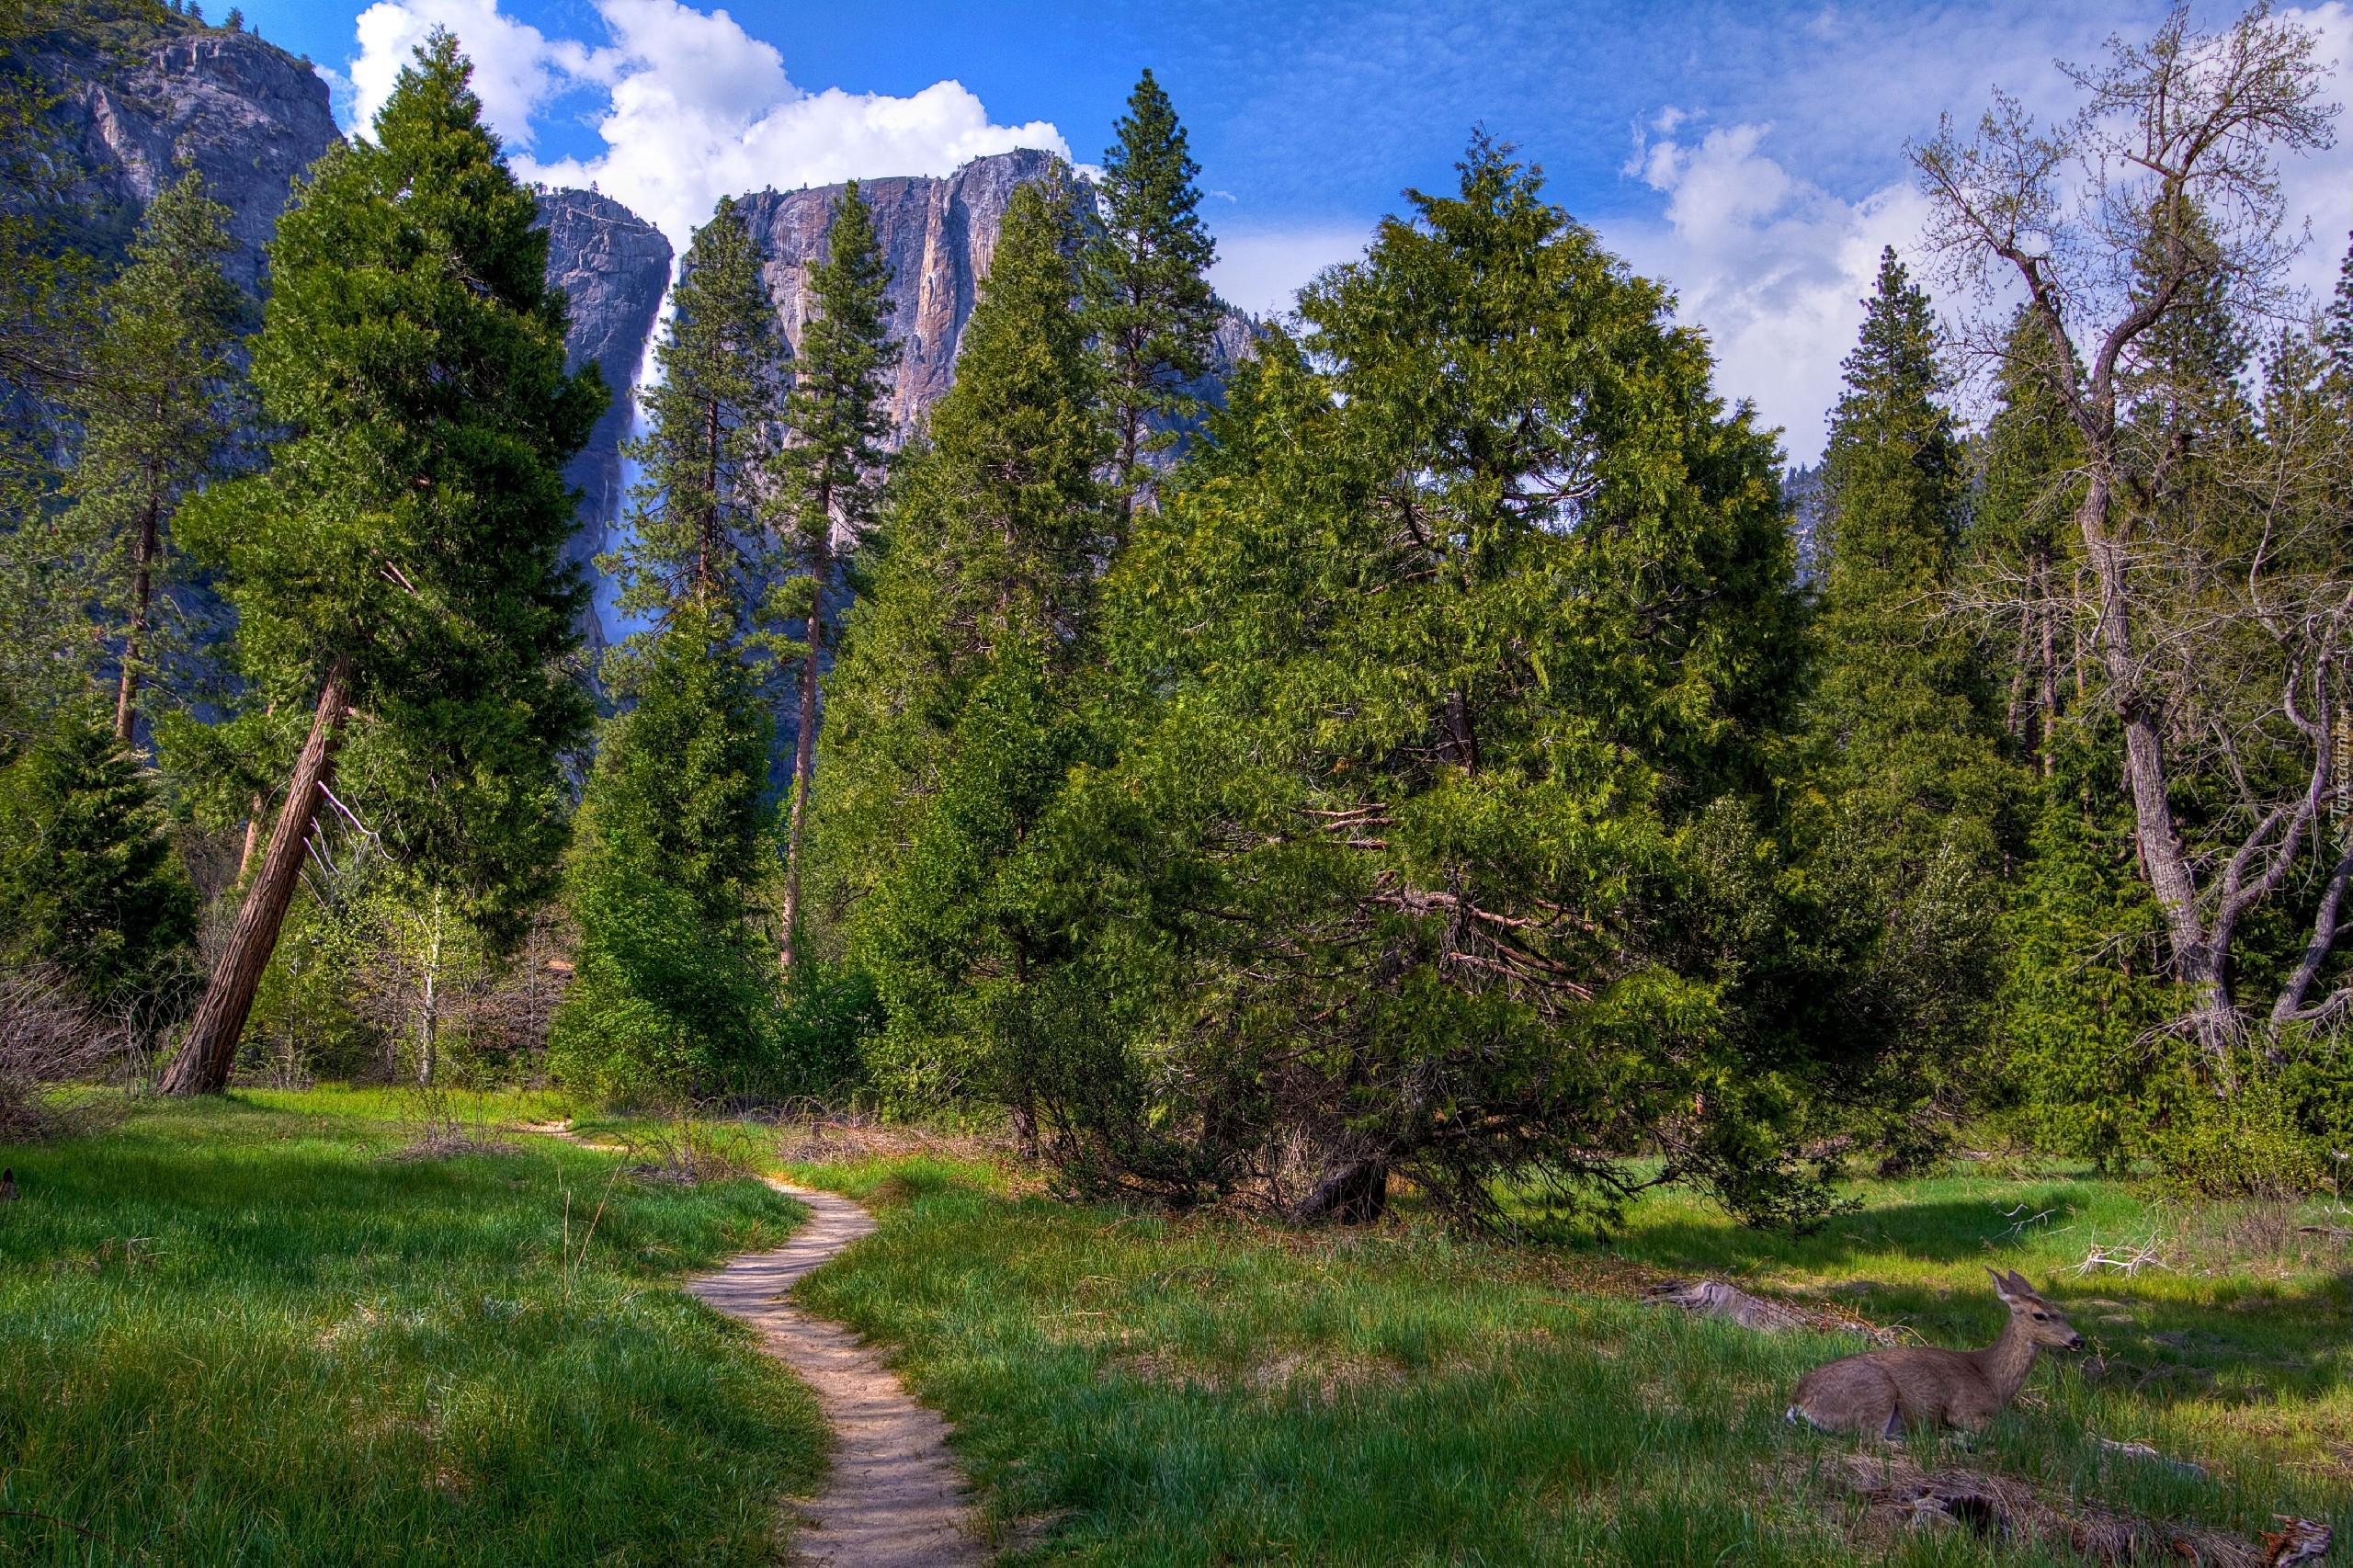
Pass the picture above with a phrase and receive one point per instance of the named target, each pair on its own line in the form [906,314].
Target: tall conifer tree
[831,465]
[1148,304]
[1923,805]
[402,556]
[715,415]
[158,402]
[959,669]
[1902,703]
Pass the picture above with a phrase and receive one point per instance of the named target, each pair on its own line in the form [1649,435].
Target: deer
[1882,1392]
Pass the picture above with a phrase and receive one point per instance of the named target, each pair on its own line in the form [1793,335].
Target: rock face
[249,115]
[938,236]
[615,265]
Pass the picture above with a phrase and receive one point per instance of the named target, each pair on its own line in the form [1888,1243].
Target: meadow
[275,1329]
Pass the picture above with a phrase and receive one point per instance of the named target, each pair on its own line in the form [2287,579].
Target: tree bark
[126,700]
[2047,694]
[2197,961]
[1356,1194]
[203,1063]
[805,741]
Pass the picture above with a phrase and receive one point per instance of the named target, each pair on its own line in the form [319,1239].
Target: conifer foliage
[1921,804]
[830,467]
[714,418]
[401,558]
[158,405]
[1149,307]
[958,694]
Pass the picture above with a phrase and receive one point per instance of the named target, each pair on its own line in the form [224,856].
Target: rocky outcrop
[249,116]
[614,265]
[938,236]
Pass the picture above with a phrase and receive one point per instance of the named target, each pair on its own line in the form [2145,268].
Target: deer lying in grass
[1882,1392]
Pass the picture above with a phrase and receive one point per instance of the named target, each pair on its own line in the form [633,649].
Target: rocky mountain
[939,235]
[245,113]
[615,267]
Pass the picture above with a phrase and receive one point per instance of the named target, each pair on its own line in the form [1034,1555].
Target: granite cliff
[939,236]
[615,267]
[245,113]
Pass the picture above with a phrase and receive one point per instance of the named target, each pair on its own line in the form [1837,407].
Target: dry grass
[48,1040]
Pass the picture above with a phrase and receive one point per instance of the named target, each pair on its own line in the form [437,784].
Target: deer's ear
[2009,1287]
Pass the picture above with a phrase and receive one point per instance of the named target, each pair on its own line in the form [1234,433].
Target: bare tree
[2159,198]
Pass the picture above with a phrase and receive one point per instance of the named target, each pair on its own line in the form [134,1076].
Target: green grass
[1148,1391]
[247,1332]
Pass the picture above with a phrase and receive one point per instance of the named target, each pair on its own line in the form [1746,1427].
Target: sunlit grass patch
[1200,1389]
[234,1332]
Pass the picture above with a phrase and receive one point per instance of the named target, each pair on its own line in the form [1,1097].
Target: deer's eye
[2042,1317]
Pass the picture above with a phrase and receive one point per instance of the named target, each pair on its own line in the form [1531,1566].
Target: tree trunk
[1356,1194]
[804,741]
[203,1063]
[126,700]
[2047,694]
[252,838]
[2197,962]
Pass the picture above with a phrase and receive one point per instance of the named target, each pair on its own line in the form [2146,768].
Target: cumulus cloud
[1263,271]
[517,68]
[696,108]
[1774,267]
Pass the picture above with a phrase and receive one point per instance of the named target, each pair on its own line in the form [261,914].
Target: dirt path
[893,1497]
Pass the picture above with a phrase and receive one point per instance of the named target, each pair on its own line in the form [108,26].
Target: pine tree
[402,556]
[158,402]
[1465,613]
[831,466]
[88,879]
[988,562]
[674,831]
[1149,307]
[714,414]
[1923,804]
[1903,706]
[2020,532]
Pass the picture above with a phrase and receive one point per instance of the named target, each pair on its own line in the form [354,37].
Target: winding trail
[893,1497]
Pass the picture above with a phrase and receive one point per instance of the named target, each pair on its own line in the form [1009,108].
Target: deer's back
[1915,1383]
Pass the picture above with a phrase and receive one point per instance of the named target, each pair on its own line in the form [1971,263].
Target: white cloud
[699,108]
[1263,271]
[516,69]
[1773,267]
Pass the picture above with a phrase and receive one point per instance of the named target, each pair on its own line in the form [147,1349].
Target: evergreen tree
[88,879]
[1149,307]
[1469,612]
[669,993]
[1909,752]
[714,415]
[831,466]
[2020,532]
[402,556]
[158,402]
[988,563]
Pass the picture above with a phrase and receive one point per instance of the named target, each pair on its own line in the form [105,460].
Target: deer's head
[2040,1321]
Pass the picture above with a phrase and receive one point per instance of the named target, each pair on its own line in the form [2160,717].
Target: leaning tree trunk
[805,743]
[203,1063]
[1355,1194]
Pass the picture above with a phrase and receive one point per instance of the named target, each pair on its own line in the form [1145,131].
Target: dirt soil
[893,1498]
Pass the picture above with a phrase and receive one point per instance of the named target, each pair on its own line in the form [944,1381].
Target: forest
[1238,928]
[1453,749]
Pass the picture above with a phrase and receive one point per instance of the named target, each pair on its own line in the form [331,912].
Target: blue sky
[1751,155]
